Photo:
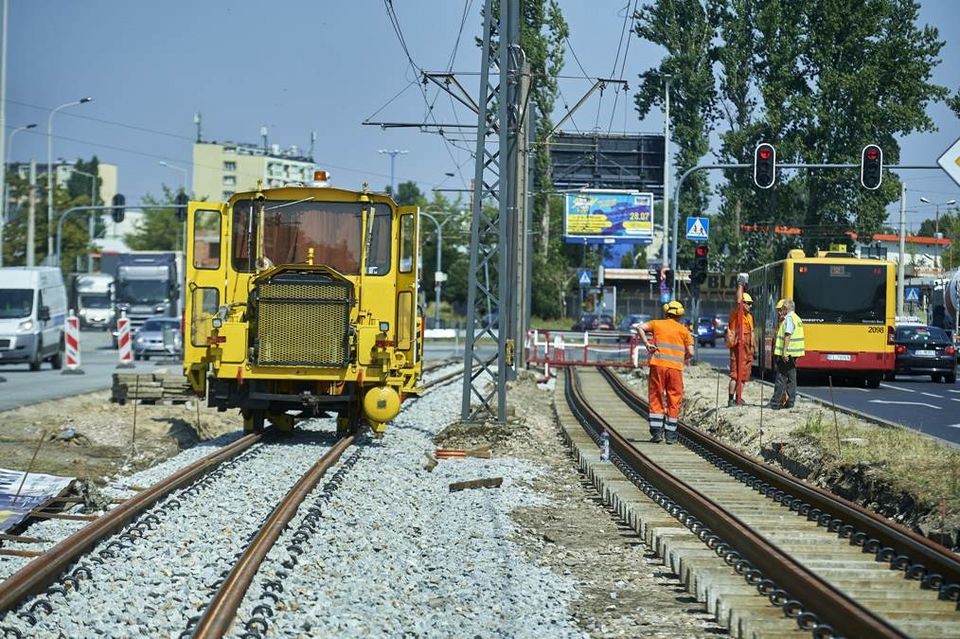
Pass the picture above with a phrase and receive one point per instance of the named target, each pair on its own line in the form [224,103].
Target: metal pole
[393,156]
[439,265]
[5,194]
[3,126]
[903,224]
[666,174]
[50,170]
[32,216]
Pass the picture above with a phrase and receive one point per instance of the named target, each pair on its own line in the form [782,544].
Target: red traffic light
[764,165]
[701,251]
[871,167]
[872,153]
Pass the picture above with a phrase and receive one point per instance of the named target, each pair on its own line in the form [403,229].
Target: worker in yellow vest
[787,349]
[671,348]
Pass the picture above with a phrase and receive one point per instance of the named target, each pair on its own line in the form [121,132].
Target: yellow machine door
[407,280]
[206,263]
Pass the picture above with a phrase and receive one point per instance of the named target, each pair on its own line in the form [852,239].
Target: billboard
[595,160]
[606,217]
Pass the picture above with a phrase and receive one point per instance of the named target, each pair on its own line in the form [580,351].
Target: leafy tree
[158,229]
[408,194]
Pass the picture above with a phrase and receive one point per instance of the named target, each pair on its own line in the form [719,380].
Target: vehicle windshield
[332,229]
[157,326]
[95,301]
[16,303]
[922,334]
[841,293]
[143,291]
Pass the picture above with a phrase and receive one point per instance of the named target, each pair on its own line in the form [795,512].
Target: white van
[33,309]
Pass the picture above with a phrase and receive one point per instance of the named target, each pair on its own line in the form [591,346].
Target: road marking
[932,395]
[953,425]
[886,401]
[905,390]
[954,399]
[953,391]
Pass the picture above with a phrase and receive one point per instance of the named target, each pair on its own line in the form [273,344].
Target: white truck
[94,300]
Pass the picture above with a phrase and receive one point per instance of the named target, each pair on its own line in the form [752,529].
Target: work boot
[656,436]
[731,402]
[788,405]
[671,437]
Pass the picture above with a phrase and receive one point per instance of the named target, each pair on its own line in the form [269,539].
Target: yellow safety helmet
[780,303]
[674,308]
[665,306]
[747,299]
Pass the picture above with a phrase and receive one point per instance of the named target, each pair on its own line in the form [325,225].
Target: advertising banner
[606,217]
[36,490]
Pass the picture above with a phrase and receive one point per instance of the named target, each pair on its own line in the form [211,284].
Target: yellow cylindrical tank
[381,404]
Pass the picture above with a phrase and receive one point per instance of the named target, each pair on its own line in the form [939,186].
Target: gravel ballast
[394,552]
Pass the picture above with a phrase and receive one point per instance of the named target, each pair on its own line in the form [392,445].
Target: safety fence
[591,348]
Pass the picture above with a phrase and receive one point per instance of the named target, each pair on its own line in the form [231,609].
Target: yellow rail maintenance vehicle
[302,301]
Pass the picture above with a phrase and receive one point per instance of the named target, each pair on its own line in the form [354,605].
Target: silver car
[158,336]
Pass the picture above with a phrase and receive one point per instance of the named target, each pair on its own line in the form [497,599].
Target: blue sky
[299,65]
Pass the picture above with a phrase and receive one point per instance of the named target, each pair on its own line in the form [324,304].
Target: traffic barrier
[71,345]
[124,342]
[569,348]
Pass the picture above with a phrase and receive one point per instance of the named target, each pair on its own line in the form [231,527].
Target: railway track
[769,554]
[62,568]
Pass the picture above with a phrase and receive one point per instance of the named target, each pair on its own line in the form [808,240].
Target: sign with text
[20,493]
[605,217]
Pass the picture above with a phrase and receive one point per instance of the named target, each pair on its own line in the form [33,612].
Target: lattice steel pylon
[494,237]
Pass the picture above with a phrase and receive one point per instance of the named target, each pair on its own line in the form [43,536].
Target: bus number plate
[922,353]
[839,357]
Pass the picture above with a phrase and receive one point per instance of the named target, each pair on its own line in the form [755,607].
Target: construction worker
[741,354]
[787,349]
[671,348]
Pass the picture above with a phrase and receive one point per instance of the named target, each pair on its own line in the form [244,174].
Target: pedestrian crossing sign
[912,294]
[698,228]
[584,278]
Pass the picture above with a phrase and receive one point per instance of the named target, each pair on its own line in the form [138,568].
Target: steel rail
[44,570]
[906,545]
[844,616]
[219,615]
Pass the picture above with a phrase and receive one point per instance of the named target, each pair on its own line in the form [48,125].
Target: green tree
[683,28]
[408,194]
[158,228]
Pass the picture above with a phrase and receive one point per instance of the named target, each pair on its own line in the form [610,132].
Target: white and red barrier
[71,345]
[568,348]
[124,342]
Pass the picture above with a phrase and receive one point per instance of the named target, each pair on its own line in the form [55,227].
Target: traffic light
[180,206]
[764,165]
[871,167]
[698,274]
[117,211]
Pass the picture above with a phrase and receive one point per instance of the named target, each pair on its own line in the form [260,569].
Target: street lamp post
[50,170]
[436,282]
[936,227]
[4,198]
[393,156]
[182,170]
[91,219]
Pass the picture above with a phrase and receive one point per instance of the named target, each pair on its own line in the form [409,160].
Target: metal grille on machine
[303,318]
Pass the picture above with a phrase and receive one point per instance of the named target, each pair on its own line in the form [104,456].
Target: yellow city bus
[848,308]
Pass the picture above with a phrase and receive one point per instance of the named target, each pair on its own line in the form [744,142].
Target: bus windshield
[841,293]
[291,228]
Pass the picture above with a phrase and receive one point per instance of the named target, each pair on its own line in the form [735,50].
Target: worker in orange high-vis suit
[671,348]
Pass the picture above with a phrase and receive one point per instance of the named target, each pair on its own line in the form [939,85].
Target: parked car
[593,322]
[706,332]
[626,324]
[925,350]
[158,336]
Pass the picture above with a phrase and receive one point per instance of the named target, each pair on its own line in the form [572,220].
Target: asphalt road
[914,401]
[98,361]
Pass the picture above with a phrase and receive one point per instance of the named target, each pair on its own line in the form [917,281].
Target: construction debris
[447,453]
[493,482]
[150,387]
